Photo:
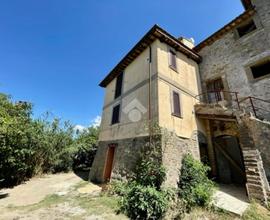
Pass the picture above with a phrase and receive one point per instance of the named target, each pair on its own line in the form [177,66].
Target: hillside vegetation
[31,146]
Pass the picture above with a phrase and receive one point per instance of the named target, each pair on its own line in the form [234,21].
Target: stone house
[211,100]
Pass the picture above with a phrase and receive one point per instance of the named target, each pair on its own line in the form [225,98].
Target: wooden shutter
[176,104]
[115,114]
[172,59]
[118,86]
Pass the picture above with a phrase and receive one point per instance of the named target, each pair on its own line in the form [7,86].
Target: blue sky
[54,53]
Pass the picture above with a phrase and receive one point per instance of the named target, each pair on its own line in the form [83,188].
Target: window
[176,105]
[118,86]
[214,90]
[172,60]
[246,28]
[261,70]
[115,114]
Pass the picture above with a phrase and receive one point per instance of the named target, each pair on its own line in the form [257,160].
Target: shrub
[30,146]
[84,158]
[194,186]
[144,202]
[150,173]
[119,188]
[86,142]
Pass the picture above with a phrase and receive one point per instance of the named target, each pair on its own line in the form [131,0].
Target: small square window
[172,60]
[246,28]
[116,114]
[260,70]
[176,105]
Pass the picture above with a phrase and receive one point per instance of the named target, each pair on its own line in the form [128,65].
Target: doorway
[229,160]
[109,163]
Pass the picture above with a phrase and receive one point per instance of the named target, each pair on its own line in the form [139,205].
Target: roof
[247,4]
[154,33]
[228,27]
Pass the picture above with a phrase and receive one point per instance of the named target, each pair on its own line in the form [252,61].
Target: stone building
[211,100]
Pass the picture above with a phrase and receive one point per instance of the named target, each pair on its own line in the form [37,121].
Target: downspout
[149,94]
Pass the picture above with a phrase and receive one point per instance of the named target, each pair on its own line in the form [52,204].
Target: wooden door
[109,163]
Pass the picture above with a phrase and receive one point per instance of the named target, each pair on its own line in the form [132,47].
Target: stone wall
[174,148]
[257,184]
[260,131]
[230,58]
[127,153]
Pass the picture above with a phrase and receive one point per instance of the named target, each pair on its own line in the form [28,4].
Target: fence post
[252,104]
[236,96]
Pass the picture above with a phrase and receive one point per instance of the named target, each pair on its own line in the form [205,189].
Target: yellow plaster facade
[164,81]
[186,81]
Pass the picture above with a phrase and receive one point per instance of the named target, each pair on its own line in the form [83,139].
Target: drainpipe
[149,93]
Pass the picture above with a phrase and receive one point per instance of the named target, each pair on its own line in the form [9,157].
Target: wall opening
[229,160]
[261,70]
[246,28]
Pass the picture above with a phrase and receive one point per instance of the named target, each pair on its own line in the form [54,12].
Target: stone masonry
[128,152]
[174,148]
[126,156]
[257,184]
[230,58]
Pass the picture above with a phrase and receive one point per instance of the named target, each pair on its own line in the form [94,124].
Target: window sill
[178,116]
[116,123]
[248,35]
[173,68]
[254,80]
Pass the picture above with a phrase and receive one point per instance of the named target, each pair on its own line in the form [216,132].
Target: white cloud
[79,128]
[96,121]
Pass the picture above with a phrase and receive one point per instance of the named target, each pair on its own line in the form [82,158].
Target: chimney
[189,42]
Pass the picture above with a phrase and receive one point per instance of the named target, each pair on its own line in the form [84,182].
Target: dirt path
[60,196]
[37,189]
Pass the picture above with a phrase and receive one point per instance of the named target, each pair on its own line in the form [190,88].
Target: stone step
[251,152]
[251,163]
[256,196]
[251,159]
[256,187]
[253,177]
[252,181]
[252,173]
[250,156]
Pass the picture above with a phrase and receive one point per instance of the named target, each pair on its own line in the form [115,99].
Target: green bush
[142,197]
[30,146]
[119,188]
[144,202]
[195,189]
[86,142]
[150,173]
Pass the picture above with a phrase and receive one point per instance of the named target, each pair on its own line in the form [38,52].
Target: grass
[49,200]
[209,214]
[105,206]
[96,205]
[80,184]
[256,212]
